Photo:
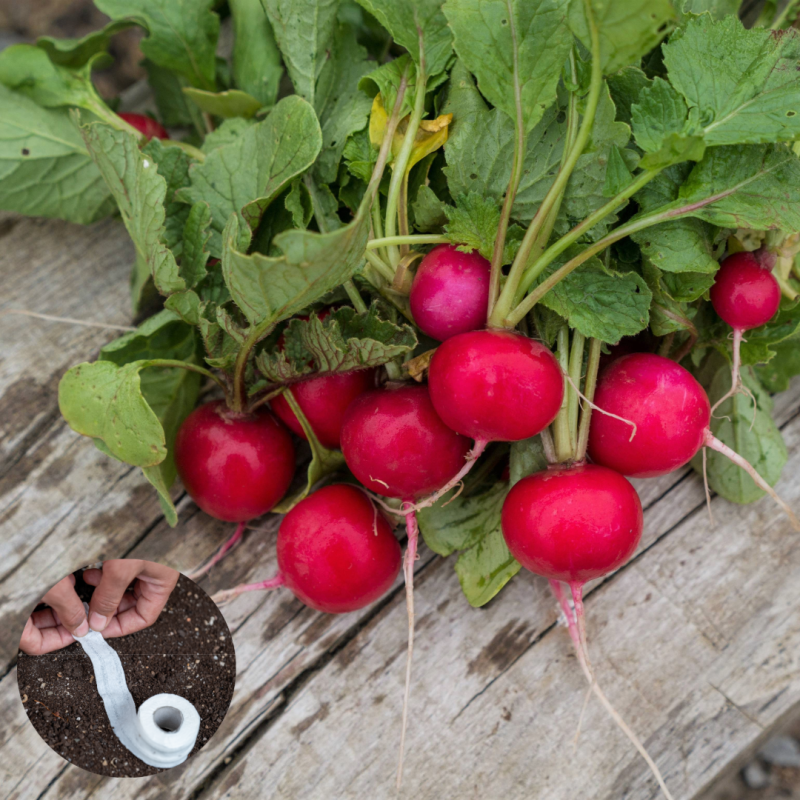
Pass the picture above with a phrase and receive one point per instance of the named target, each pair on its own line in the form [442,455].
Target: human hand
[53,628]
[113,611]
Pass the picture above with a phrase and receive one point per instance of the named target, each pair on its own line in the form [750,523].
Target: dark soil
[188,652]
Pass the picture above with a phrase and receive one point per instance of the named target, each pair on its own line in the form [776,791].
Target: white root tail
[408,573]
[715,444]
[228,594]
[221,553]
[579,645]
[601,410]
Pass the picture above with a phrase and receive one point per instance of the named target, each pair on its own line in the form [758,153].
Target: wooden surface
[697,641]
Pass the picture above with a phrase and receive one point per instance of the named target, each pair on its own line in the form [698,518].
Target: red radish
[746,295]
[234,466]
[450,292]
[149,127]
[336,552]
[640,343]
[572,524]
[324,401]
[395,443]
[495,385]
[672,414]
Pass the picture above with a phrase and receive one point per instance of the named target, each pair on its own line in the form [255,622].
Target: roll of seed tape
[163,732]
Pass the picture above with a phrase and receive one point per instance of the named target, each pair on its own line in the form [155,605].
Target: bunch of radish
[487,235]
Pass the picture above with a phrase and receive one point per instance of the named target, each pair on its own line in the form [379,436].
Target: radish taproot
[147,126]
[671,412]
[746,295]
[235,466]
[396,444]
[324,401]
[336,552]
[572,523]
[450,292]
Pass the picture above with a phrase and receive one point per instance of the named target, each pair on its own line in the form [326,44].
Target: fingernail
[81,630]
[97,622]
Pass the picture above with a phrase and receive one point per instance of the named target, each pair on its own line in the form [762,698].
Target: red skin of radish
[234,466]
[574,523]
[495,385]
[151,128]
[336,552]
[745,293]
[395,443]
[670,409]
[324,401]
[450,292]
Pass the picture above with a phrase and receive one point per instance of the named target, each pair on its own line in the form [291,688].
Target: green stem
[313,193]
[618,233]
[412,239]
[575,369]
[265,398]
[189,149]
[506,299]
[170,362]
[379,265]
[402,214]
[588,391]
[401,163]
[260,330]
[561,431]
[101,110]
[555,250]
[355,298]
[398,301]
[791,6]
[513,183]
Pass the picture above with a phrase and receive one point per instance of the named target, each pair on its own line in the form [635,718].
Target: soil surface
[188,652]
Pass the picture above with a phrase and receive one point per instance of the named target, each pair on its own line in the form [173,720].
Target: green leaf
[776,374]
[527,456]
[228,132]
[627,30]
[516,49]
[410,21]
[312,264]
[742,85]
[27,69]
[139,190]
[757,345]
[473,224]
[105,401]
[232,103]
[744,186]
[666,314]
[618,176]
[196,233]
[304,30]
[486,568]
[429,211]
[76,53]
[758,441]
[626,87]
[182,34]
[173,107]
[342,109]
[686,287]
[344,341]
[257,66]
[45,169]
[600,303]
[716,8]
[245,176]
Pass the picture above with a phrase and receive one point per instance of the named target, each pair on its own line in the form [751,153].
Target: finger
[153,589]
[46,618]
[92,576]
[63,599]
[38,641]
[31,640]
[117,575]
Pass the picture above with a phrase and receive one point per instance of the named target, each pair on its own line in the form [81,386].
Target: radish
[336,552]
[573,523]
[234,466]
[395,443]
[149,127]
[746,295]
[450,292]
[671,412]
[324,401]
[495,385]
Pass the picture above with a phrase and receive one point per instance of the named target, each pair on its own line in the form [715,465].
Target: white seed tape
[164,731]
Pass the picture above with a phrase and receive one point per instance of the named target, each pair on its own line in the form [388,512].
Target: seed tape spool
[164,731]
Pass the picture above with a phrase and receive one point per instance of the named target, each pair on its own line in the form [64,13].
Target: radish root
[715,444]
[737,387]
[579,645]
[221,553]
[228,594]
[408,574]
[597,408]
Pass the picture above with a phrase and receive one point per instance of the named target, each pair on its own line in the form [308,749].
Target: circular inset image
[126,668]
